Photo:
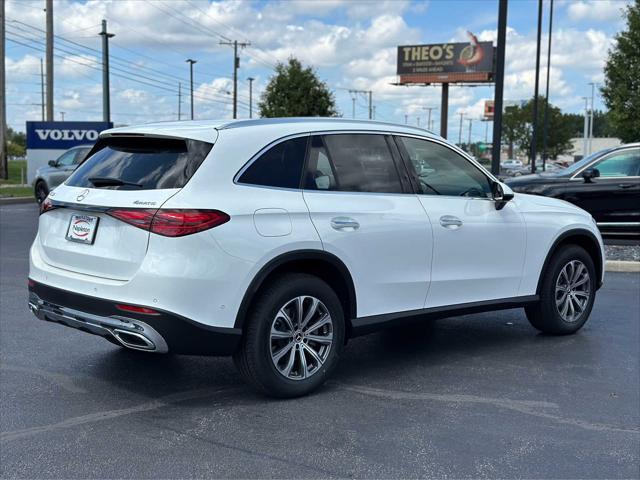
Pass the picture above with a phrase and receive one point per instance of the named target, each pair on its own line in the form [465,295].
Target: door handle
[450,222]
[344,224]
[626,185]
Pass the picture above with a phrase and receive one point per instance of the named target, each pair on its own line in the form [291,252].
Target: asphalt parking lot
[480,395]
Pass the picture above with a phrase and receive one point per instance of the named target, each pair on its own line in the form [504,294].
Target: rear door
[478,251]
[89,226]
[363,213]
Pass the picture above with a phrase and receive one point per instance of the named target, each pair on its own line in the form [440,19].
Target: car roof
[208,130]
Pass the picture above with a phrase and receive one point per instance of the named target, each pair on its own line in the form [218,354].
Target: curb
[16,200]
[622,266]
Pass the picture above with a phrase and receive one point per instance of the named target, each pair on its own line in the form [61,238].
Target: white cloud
[597,10]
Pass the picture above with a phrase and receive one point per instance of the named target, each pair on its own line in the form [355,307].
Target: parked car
[549,166]
[277,240]
[511,163]
[606,184]
[57,171]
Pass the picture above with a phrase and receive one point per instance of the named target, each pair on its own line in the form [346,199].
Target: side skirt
[364,325]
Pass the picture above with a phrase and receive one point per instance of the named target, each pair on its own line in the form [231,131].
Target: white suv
[276,240]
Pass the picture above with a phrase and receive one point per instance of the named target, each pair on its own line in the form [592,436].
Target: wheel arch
[322,264]
[583,238]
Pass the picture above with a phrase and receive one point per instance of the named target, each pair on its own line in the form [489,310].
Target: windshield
[573,168]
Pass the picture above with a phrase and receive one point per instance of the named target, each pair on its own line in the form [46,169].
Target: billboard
[446,62]
[489,108]
[48,140]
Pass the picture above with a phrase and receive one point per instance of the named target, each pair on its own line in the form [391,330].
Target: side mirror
[53,163]
[589,174]
[501,194]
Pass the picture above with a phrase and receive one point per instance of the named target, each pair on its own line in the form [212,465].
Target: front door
[365,216]
[478,251]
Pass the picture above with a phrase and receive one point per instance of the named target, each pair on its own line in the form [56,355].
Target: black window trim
[413,174]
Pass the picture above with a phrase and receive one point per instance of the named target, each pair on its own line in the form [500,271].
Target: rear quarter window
[141,163]
[280,166]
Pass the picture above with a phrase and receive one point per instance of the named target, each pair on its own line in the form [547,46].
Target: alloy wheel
[301,337]
[573,289]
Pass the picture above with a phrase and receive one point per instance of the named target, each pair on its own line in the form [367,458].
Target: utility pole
[353,107]
[546,96]
[353,99]
[374,112]
[190,61]
[179,101]
[534,130]
[486,132]
[42,87]
[460,133]
[586,126]
[236,65]
[406,119]
[469,142]
[62,116]
[4,166]
[593,91]
[49,58]
[251,79]
[497,97]
[106,100]
[370,105]
[428,109]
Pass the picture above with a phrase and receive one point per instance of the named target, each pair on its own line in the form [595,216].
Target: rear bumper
[160,333]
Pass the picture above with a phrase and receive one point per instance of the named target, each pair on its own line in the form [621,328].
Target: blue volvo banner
[63,135]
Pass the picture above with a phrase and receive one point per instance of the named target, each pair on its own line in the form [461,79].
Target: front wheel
[293,336]
[567,292]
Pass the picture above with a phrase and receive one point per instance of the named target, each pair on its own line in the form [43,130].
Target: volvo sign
[48,140]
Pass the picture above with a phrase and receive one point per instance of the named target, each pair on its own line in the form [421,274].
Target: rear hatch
[97,222]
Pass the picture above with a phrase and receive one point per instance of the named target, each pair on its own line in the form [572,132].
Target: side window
[280,166]
[624,164]
[441,171]
[81,153]
[352,163]
[66,158]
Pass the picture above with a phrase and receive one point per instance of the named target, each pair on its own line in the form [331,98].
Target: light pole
[106,100]
[460,132]
[469,142]
[190,61]
[62,116]
[428,109]
[593,92]
[534,132]
[251,79]
[586,126]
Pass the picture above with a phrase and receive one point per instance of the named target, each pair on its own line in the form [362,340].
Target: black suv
[606,184]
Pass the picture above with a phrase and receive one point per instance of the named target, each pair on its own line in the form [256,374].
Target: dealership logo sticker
[83,195]
[81,228]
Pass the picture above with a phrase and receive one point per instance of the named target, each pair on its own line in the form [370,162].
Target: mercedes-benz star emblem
[83,195]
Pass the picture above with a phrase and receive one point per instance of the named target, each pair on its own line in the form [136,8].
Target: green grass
[16,191]
[14,172]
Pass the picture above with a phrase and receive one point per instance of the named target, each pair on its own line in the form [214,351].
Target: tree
[16,143]
[601,124]
[621,90]
[518,128]
[295,91]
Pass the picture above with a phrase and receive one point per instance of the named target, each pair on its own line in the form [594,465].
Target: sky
[352,45]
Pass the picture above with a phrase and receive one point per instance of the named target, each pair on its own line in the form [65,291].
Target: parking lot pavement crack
[110,414]
[528,407]
[65,382]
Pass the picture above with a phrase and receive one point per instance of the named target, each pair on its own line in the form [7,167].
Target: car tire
[41,191]
[567,292]
[268,332]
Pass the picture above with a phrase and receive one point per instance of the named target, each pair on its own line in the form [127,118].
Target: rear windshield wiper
[112,182]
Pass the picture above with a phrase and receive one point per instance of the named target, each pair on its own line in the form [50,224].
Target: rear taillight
[171,223]
[46,206]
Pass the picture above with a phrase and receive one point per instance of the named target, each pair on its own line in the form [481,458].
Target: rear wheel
[41,191]
[293,336]
[567,292]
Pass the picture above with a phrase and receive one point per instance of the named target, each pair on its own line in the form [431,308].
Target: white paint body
[400,256]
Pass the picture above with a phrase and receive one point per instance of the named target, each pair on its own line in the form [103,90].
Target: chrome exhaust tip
[133,340]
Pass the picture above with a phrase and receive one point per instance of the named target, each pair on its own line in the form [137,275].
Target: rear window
[280,166]
[140,163]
